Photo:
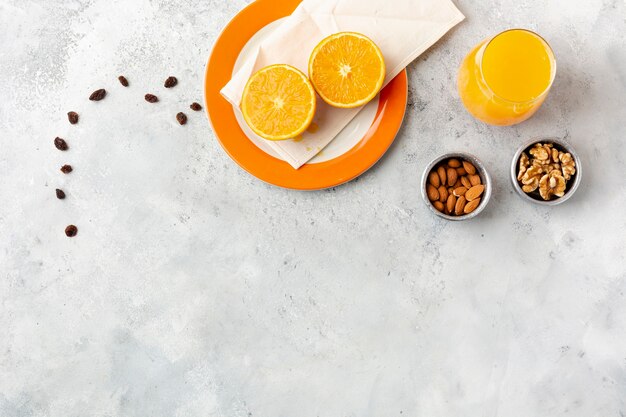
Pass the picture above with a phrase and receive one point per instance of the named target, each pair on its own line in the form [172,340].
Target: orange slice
[347,69]
[278,102]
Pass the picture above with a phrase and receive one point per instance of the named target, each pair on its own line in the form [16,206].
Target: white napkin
[403,29]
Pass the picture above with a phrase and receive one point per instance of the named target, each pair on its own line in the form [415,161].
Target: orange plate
[360,158]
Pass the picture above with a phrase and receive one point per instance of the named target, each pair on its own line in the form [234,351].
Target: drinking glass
[506,78]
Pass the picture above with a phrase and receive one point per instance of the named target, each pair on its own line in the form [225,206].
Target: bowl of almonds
[456,186]
[546,171]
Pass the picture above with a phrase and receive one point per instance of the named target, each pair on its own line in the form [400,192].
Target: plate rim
[274,11]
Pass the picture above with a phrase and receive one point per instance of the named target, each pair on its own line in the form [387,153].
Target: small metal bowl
[480,170]
[572,184]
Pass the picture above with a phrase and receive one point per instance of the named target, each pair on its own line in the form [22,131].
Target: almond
[452,176]
[441,171]
[466,182]
[471,206]
[457,184]
[460,205]
[454,163]
[461,171]
[451,203]
[433,194]
[469,167]
[474,192]
[433,179]
[474,179]
[443,194]
[439,206]
[458,192]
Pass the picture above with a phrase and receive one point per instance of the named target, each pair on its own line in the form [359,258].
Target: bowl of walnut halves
[546,171]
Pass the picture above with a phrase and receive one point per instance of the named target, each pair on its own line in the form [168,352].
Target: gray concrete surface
[192,289]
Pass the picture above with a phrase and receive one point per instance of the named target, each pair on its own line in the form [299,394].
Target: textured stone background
[193,289]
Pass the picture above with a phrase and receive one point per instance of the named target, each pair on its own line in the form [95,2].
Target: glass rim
[552,70]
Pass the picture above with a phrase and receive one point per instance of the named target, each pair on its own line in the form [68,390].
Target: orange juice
[505,79]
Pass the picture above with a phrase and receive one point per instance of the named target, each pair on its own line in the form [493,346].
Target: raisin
[72,117]
[71,231]
[60,194]
[151,98]
[123,80]
[66,169]
[98,95]
[195,106]
[60,144]
[182,118]
[170,82]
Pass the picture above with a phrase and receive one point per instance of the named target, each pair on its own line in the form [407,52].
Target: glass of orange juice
[505,79]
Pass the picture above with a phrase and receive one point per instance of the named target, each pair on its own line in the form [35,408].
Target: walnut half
[552,184]
[568,165]
[524,163]
[541,153]
[530,179]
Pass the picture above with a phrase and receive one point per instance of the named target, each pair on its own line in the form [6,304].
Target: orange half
[347,69]
[278,102]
